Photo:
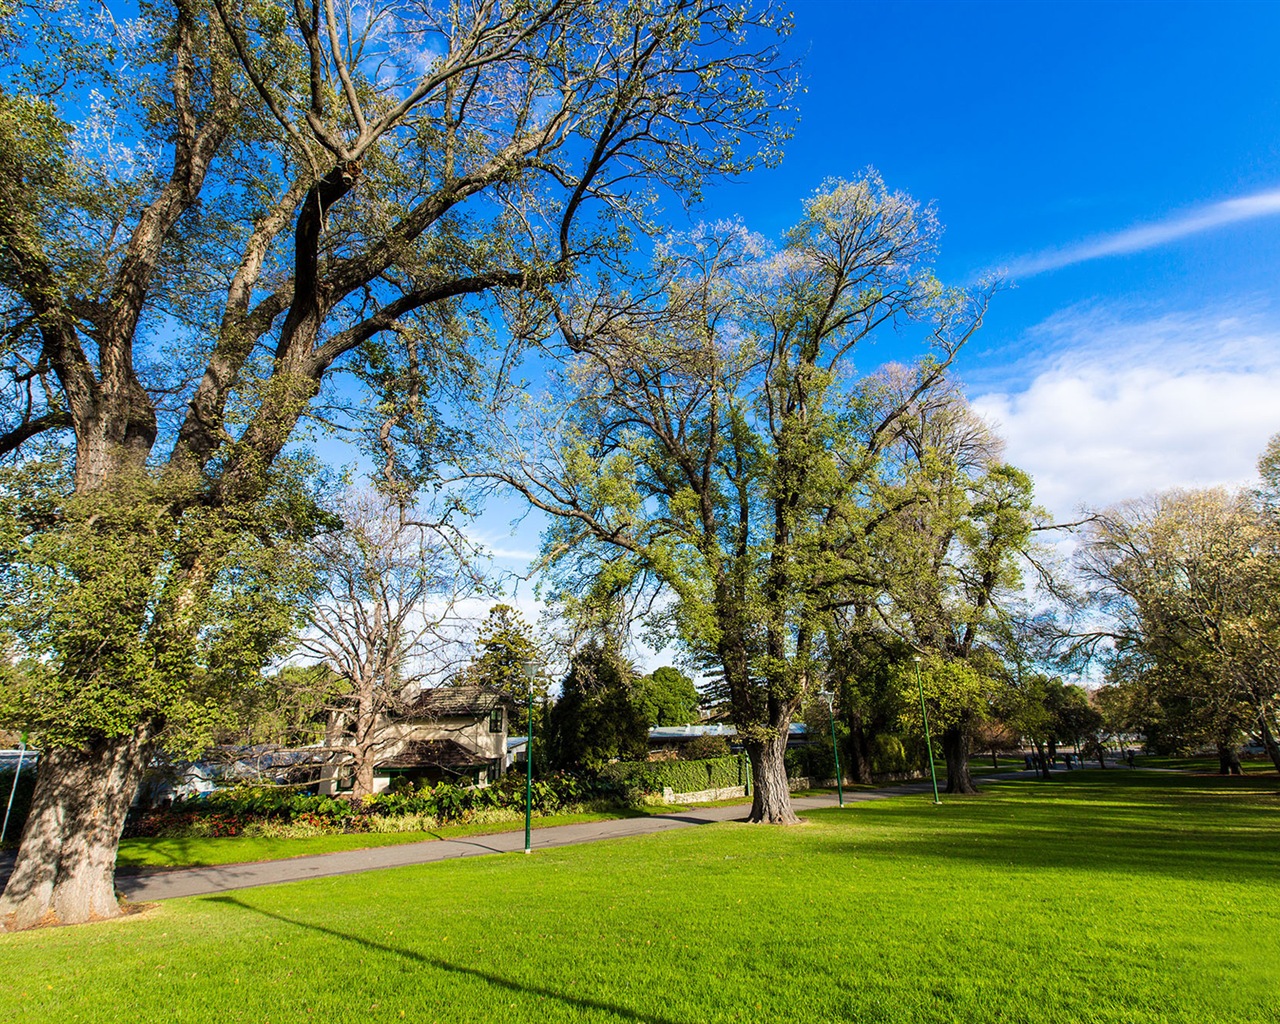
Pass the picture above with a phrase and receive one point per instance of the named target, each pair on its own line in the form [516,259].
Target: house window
[495,720]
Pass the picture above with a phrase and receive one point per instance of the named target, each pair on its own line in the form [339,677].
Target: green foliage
[125,611]
[681,776]
[700,748]
[955,692]
[667,697]
[244,809]
[715,443]
[1187,583]
[889,756]
[810,761]
[595,718]
[506,648]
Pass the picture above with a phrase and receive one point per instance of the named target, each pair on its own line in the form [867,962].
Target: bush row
[249,809]
[681,776]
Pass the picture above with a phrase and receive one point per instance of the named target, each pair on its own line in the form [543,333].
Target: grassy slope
[1100,897]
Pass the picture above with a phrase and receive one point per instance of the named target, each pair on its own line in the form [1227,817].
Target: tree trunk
[65,872]
[1269,741]
[771,799]
[362,783]
[1228,759]
[1041,760]
[955,748]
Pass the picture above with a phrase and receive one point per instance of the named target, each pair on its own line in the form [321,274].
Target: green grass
[150,853]
[1204,765]
[1126,897]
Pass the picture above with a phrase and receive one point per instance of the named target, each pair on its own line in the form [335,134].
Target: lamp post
[928,741]
[530,670]
[830,698]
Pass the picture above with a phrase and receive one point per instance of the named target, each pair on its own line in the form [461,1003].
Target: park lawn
[149,854]
[1205,765]
[1109,896]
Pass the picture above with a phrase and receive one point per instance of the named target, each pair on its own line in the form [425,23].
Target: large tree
[942,562]
[712,441]
[1187,583]
[384,618]
[209,212]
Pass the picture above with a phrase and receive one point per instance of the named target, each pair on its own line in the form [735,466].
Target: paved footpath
[162,885]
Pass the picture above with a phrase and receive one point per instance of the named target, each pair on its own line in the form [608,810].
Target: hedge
[228,811]
[680,776]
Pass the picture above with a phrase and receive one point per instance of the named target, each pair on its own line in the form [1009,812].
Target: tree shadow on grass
[1174,826]
[444,965]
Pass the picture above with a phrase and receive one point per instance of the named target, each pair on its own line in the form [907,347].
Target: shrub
[681,776]
[702,748]
[888,756]
[811,761]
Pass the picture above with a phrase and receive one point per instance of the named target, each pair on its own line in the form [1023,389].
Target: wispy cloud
[1148,236]
[1129,404]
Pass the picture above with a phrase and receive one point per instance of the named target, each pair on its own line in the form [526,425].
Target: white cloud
[1123,408]
[1148,236]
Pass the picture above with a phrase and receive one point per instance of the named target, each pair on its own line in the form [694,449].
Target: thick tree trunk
[362,784]
[1269,741]
[955,748]
[1228,759]
[771,798]
[65,873]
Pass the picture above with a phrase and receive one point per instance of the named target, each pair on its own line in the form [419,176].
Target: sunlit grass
[151,853]
[1096,897]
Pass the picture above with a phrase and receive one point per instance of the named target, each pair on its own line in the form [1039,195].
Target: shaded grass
[1205,765]
[1097,897]
[159,854]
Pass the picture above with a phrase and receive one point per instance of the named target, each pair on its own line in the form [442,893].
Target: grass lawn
[153,853]
[1205,765]
[1110,896]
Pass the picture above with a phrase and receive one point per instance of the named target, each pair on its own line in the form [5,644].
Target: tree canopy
[712,441]
[209,213]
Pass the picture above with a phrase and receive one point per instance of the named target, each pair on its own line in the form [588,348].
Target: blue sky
[1122,161]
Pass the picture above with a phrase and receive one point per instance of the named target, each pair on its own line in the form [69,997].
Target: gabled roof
[434,754]
[441,701]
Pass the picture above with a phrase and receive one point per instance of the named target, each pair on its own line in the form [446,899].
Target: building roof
[440,701]
[434,754]
[688,732]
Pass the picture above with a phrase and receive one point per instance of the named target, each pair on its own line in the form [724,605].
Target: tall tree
[385,618]
[1188,582]
[506,650]
[711,441]
[957,520]
[666,697]
[595,718]
[207,216]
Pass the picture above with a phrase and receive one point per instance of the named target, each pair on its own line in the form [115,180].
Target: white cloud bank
[1120,409]
[1148,236]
